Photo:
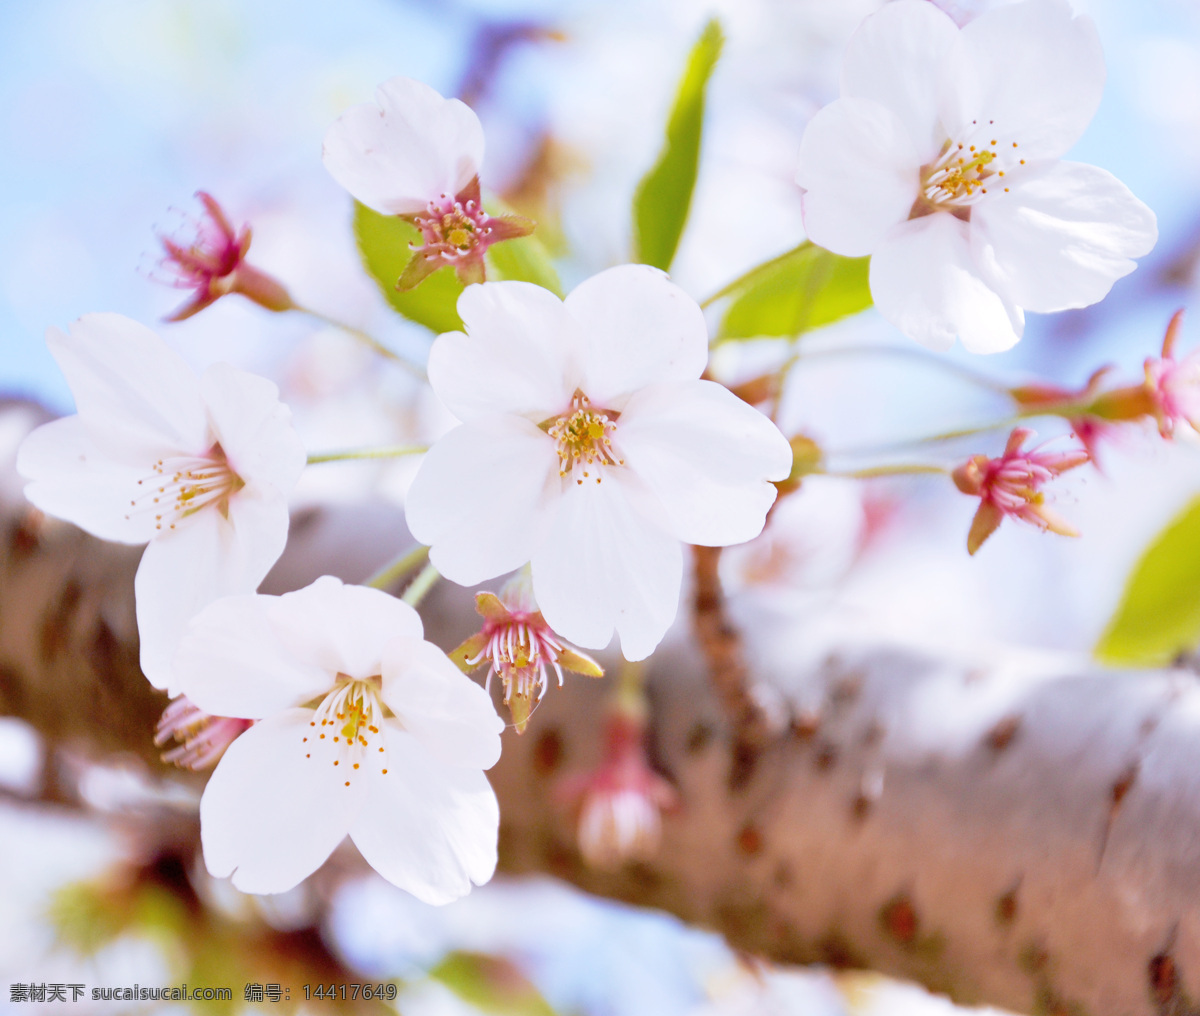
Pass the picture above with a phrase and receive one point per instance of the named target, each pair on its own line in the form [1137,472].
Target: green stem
[384,452]
[367,338]
[629,695]
[426,579]
[899,469]
[947,435]
[745,277]
[387,576]
[903,352]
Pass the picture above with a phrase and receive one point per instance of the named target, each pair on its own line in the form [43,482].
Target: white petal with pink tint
[860,174]
[409,147]
[520,354]
[480,497]
[445,713]
[1062,236]
[709,458]
[896,58]
[270,816]
[1033,70]
[637,328]
[453,811]
[603,566]
[925,281]
[73,478]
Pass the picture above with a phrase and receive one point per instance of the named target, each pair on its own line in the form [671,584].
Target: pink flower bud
[213,263]
[621,802]
[1174,385]
[200,739]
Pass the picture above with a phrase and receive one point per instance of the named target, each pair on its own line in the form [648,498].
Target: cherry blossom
[517,644]
[942,160]
[590,448]
[363,729]
[621,802]
[1011,485]
[417,155]
[212,263]
[198,468]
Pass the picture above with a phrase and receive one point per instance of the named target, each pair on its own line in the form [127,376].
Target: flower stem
[401,565]
[629,695]
[753,273]
[947,435]
[426,579]
[367,338]
[897,469]
[903,352]
[384,452]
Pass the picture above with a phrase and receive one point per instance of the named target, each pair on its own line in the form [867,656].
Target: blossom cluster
[590,447]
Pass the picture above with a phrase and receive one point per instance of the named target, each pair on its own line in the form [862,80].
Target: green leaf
[383,244]
[801,290]
[1159,613]
[491,983]
[660,206]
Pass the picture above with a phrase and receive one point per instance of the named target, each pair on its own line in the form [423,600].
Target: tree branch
[1023,837]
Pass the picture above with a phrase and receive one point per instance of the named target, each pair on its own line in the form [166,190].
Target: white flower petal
[1061,236]
[270,816]
[924,280]
[519,354]
[427,828]
[1028,72]
[450,714]
[134,393]
[480,495]
[410,148]
[342,628]
[637,328]
[208,556]
[253,426]
[72,478]
[708,456]
[604,565]
[897,58]
[861,174]
[231,661]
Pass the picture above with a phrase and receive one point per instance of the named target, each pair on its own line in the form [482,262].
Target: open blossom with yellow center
[198,468]
[942,160]
[591,449]
[363,729]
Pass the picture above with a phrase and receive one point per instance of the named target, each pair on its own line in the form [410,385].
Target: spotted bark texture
[1018,833]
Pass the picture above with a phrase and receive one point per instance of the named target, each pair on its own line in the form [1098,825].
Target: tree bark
[1007,835]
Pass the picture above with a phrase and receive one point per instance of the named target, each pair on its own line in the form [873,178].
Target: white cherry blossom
[942,160]
[590,448]
[417,155]
[197,467]
[363,729]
